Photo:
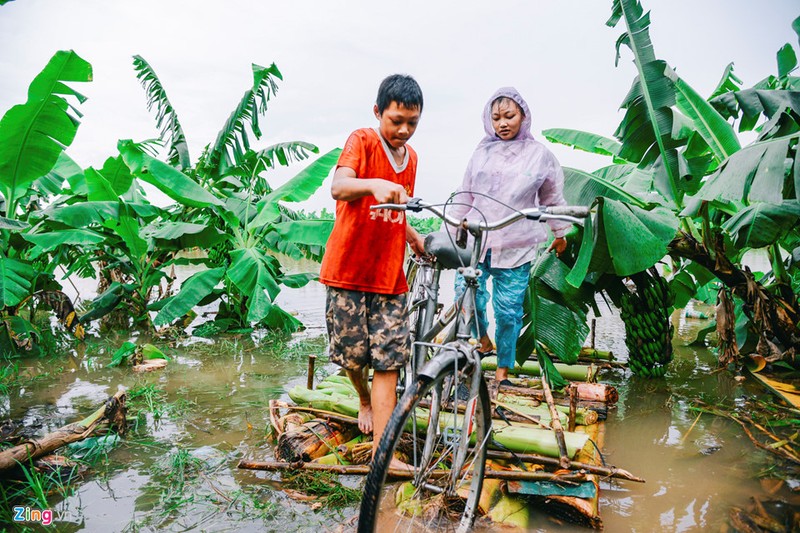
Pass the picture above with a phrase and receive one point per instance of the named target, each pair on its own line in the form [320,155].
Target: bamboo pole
[397,473]
[571,372]
[573,465]
[113,412]
[555,421]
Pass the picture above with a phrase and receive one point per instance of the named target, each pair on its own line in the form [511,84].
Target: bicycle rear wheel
[451,414]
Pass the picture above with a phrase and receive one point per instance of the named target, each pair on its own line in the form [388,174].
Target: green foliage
[681,175]
[33,134]
[424,225]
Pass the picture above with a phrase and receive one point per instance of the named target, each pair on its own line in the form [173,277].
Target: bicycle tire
[465,489]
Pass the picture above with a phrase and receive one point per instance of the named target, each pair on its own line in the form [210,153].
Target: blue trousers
[508,293]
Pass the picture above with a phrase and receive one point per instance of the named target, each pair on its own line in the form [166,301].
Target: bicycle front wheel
[442,426]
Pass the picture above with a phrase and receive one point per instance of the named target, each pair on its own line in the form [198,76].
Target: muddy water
[176,470]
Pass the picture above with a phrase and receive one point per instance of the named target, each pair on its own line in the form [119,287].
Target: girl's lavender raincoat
[520,172]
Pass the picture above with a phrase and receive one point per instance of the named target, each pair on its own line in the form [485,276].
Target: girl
[509,170]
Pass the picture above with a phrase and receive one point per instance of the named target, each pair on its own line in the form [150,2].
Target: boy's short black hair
[399,88]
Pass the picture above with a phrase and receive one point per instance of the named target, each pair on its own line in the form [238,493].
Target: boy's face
[506,119]
[397,123]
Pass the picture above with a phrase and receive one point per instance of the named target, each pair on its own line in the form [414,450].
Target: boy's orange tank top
[366,249]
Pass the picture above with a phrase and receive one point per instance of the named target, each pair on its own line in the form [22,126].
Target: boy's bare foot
[365,418]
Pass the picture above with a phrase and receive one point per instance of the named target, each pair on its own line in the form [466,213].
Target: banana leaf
[761,224]
[623,239]
[192,291]
[586,141]
[297,189]
[33,134]
[754,173]
[166,178]
[16,281]
[253,273]
[646,130]
[170,129]
[714,129]
[233,140]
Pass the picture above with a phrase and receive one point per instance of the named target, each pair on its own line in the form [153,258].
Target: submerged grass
[35,488]
[324,485]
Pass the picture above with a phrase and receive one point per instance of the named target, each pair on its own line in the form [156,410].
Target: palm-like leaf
[33,134]
[171,131]
[233,141]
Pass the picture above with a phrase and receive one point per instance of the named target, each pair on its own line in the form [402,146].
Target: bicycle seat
[443,248]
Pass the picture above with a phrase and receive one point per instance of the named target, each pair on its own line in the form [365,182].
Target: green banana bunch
[648,331]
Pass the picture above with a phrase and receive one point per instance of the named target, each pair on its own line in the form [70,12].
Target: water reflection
[214,395]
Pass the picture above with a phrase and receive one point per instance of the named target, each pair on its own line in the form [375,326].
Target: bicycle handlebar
[566,213]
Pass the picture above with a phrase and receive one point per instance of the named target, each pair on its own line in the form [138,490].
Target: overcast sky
[558,53]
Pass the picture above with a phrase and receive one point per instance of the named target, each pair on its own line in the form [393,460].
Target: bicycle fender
[446,356]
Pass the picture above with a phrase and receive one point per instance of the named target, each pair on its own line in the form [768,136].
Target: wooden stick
[594,330]
[521,414]
[555,421]
[573,407]
[113,412]
[573,465]
[310,383]
[397,473]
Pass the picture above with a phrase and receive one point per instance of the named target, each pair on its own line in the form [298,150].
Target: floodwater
[176,469]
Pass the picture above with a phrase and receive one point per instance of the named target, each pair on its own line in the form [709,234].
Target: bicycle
[446,391]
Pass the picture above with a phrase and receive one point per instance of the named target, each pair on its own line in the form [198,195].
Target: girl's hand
[559,244]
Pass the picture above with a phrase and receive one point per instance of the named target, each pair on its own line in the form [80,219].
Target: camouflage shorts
[367,329]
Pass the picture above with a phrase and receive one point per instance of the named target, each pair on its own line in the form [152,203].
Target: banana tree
[33,136]
[244,272]
[679,164]
[131,240]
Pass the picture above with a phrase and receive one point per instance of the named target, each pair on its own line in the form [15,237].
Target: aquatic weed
[148,398]
[324,485]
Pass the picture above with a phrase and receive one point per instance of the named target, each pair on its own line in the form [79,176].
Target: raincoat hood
[525,127]
[506,175]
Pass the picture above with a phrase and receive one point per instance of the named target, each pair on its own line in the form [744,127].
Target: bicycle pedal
[462,392]
[451,436]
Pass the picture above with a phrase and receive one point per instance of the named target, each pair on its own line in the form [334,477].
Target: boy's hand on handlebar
[559,244]
[416,241]
[387,192]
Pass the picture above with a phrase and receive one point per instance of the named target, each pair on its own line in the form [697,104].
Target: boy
[365,309]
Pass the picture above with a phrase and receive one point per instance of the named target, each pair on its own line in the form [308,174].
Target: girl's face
[506,119]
